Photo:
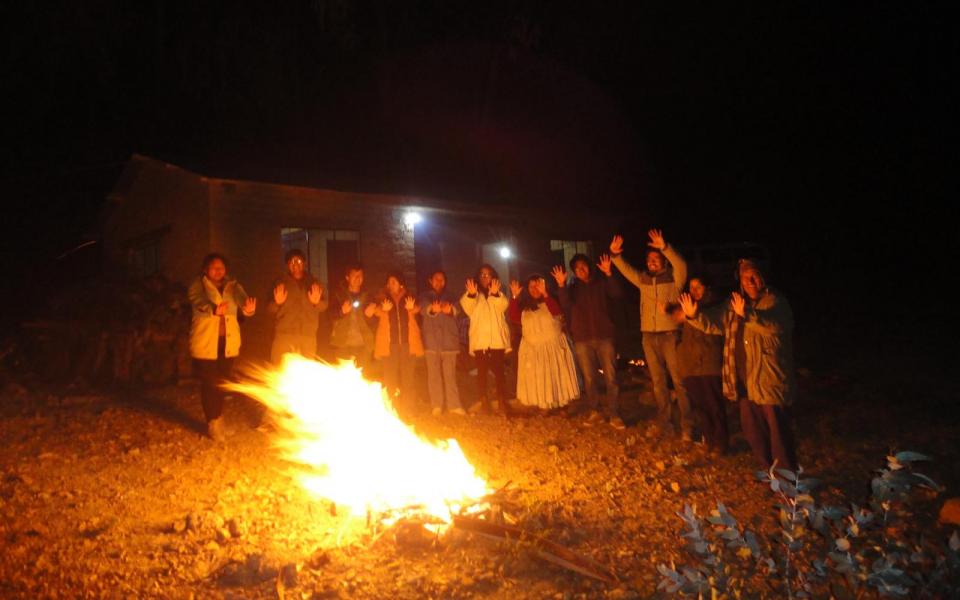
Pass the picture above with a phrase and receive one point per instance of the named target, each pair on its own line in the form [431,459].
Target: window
[564,250]
[328,251]
[143,252]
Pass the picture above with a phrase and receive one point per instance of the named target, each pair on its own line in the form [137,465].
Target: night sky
[821,132]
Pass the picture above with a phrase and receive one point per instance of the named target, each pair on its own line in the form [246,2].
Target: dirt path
[120,496]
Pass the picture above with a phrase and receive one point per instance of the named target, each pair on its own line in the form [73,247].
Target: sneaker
[686,436]
[476,407]
[459,412]
[216,430]
[617,423]
[437,411]
[593,416]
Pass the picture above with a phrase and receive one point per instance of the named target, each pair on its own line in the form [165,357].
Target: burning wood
[542,547]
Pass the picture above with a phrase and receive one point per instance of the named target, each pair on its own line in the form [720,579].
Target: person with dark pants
[219,304]
[486,306]
[700,356]
[398,339]
[659,284]
[586,303]
[757,363]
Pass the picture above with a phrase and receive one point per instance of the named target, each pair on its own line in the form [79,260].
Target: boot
[216,430]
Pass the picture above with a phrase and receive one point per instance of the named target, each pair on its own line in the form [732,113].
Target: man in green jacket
[659,285]
[297,303]
[757,363]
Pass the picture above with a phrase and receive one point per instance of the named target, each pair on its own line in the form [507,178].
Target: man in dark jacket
[700,357]
[296,305]
[586,304]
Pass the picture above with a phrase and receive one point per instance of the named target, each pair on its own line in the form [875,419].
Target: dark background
[820,132]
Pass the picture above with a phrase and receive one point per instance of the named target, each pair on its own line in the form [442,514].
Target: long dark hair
[526,301]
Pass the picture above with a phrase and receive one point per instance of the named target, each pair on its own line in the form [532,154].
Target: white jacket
[488,322]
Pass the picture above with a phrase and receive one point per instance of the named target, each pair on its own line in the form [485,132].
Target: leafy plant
[819,550]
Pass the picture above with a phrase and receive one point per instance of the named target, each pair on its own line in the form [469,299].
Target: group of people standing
[712,352]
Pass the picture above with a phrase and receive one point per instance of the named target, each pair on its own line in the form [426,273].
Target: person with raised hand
[701,360]
[219,304]
[489,335]
[659,283]
[587,302]
[298,299]
[546,374]
[758,365]
[441,344]
[398,339]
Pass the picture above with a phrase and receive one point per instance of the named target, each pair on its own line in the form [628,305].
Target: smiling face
[582,270]
[751,281]
[655,261]
[216,271]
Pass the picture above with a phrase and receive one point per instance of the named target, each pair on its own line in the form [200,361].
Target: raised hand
[370,310]
[471,287]
[280,294]
[386,306]
[446,308]
[315,293]
[494,286]
[249,306]
[656,239]
[688,304]
[605,265]
[346,307]
[515,288]
[616,245]
[221,309]
[409,303]
[560,274]
[435,307]
[738,304]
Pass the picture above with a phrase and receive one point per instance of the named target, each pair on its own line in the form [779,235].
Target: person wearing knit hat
[758,365]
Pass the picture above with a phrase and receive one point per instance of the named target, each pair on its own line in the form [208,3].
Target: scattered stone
[675,487]
[179,526]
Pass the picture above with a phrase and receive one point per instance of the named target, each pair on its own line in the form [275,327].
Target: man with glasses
[298,300]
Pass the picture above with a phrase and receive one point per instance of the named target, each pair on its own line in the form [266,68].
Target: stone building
[163,219]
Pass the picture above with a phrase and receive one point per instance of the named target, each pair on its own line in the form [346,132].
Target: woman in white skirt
[546,375]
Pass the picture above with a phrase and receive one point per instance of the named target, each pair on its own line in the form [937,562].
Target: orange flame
[353,449]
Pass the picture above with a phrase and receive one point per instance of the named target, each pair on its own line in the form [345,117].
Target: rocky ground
[119,495]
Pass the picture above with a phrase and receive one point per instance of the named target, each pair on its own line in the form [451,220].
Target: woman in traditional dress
[546,375]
